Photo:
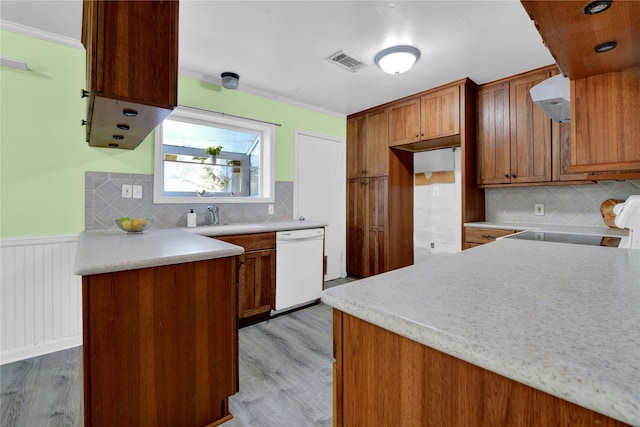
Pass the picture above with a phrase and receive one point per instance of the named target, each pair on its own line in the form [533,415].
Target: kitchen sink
[226,229]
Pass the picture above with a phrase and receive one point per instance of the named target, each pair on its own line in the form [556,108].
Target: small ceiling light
[597,6]
[230,80]
[605,47]
[397,59]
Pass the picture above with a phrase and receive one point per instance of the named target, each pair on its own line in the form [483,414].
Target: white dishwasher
[299,267]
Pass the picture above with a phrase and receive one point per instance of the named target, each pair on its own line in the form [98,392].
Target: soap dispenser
[191,219]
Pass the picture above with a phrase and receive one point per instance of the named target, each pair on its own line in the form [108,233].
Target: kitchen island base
[160,345]
[383,379]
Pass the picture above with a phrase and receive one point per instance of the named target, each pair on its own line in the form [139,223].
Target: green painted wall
[43,154]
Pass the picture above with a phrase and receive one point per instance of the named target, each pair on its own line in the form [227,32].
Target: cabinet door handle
[506,175]
[513,175]
[417,134]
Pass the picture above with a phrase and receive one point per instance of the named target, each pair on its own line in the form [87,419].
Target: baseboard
[38,350]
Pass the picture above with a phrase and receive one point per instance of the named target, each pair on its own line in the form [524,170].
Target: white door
[319,192]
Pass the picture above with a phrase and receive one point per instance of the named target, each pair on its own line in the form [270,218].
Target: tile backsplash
[103,204]
[570,204]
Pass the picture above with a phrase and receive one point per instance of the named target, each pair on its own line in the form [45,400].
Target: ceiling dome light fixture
[397,59]
[597,6]
[230,80]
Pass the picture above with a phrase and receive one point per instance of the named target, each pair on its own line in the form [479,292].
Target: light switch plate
[126,191]
[137,191]
[270,209]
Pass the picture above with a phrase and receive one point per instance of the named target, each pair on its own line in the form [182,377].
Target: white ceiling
[279,47]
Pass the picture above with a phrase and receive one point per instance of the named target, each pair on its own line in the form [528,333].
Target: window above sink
[241,171]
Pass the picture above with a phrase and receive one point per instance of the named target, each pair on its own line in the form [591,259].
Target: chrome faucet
[215,218]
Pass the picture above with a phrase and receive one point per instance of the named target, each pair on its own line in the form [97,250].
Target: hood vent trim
[346,61]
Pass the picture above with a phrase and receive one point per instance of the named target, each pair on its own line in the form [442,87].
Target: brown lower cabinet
[160,345]
[383,379]
[479,236]
[256,275]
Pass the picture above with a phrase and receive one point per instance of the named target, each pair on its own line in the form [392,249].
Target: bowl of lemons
[133,225]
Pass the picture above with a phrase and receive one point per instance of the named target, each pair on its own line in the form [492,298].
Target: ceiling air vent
[346,60]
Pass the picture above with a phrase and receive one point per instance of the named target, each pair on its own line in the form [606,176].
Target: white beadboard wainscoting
[41,298]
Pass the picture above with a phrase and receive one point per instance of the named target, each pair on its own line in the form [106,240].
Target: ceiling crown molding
[247,89]
[39,34]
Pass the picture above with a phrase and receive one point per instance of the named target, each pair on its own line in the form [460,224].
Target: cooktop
[577,239]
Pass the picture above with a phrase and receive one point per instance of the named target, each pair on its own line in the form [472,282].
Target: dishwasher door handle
[286,240]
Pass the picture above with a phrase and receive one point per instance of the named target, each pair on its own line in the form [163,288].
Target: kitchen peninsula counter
[114,250]
[562,319]
[160,343]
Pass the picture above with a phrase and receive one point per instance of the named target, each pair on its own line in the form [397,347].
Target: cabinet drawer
[251,242]
[484,235]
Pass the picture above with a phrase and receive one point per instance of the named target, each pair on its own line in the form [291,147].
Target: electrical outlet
[126,191]
[436,191]
[137,191]
[270,209]
[539,209]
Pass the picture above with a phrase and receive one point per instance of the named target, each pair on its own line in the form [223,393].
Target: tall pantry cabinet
[379,185]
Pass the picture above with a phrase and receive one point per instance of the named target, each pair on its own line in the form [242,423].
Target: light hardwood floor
[285,378]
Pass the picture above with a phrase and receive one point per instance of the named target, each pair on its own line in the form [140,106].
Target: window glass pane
[195,135]
[236,171]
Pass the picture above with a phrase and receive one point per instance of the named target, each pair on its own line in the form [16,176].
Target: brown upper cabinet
[367,151]
[493,137]
[518,144]
[605,125]
[132,69]
[436,114]
[440,113]
[404,119]
[514,135]
[530,129]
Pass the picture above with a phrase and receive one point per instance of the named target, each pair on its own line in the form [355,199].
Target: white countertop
[564,319]
[259,227]
[114,250]
[109,251]
[558,228]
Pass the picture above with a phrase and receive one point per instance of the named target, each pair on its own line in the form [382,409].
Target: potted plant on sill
[213,152]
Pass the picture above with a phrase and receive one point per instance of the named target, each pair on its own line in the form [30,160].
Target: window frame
[199,116]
